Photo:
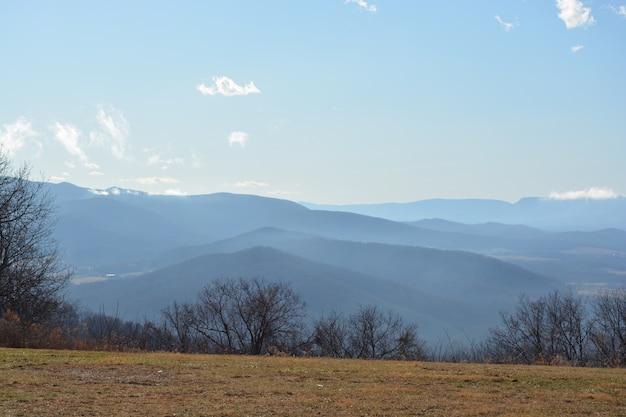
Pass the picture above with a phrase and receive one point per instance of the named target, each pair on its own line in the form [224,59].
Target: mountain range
[137,253]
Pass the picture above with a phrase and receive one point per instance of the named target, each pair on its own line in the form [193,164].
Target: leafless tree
[568,327]
[330,335]
[609,333]
[376,335]
[32,275]
[178,332]
[549,329]
[367,334]
[250,315]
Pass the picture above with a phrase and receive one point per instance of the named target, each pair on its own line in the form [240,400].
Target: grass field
[72,383]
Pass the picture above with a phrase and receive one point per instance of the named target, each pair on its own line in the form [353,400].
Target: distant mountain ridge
[541,213]
[145,251]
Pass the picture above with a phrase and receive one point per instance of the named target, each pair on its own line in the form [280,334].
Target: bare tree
[520,338]
[32,275]
[609,333]
[367,334]
[330,335]
[569,328]
[546,330]
[249,316]
[376,335]
[178,332]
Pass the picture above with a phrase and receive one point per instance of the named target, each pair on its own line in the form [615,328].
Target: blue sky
[326,101]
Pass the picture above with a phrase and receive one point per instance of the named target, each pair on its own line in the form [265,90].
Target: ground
[74,383]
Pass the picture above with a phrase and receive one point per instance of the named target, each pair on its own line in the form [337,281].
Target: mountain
[325,288]
[542,213]
[145,251]
[458,274]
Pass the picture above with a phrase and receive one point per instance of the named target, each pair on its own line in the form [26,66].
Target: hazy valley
[449,265]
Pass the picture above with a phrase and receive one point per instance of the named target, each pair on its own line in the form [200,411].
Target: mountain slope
[323,287]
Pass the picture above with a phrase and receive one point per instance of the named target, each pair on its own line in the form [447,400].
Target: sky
[325,101]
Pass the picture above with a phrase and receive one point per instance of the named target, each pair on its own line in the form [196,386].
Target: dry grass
[69,383]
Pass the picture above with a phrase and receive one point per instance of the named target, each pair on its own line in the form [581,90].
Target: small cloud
[620,11]
[114,134]
[14,136]
[68,135]
[593,193]
[250,184]
[507,26]
[155,180]
[363,5]
[240,138]
[574,13]
[281,193]
[155,158]
[577,48]
[226,87]
[173,192]
[96,173]
[195,160]
[98,192]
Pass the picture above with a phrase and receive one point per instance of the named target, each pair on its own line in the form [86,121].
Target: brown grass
[69,383]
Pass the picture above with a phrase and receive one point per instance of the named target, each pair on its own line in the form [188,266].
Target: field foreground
[71,383]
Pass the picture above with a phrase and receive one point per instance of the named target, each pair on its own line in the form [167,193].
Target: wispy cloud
[226,87]
[114,134]
[155,180]
[577,48]
[14,137]
[282,193]
[239,138]
[363,5]
[574,13]
[620,11]
[250,184]
[62,178]
[593,193]
[164,162]
[69,136]
[507,26]
[195,160]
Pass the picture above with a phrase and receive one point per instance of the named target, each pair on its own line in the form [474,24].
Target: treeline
[243,316]
[256,317]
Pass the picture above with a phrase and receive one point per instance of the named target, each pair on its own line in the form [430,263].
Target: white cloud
[155,157]
[593,193]
[250,184]
[240,138]
[156,180]
[363,5]
[171,191]
[96,173]
[195,160]
[14,136]
[226,87]
[68,135]
[507,26]
[114,134]
[165,163]
[620,11]
[577,48]
[574,13]
[98,192]
[281,193]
